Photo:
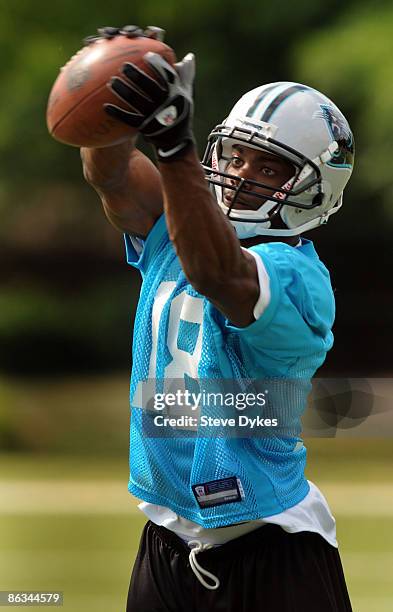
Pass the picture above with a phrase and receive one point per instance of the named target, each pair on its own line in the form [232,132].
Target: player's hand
[161,108]
[130,31]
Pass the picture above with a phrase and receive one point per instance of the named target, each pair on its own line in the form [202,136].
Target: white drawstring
[197,569]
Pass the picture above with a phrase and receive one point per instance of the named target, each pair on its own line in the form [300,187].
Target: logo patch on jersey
[340,132]
[218,492]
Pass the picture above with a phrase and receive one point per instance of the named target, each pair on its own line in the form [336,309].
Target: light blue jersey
[211,478]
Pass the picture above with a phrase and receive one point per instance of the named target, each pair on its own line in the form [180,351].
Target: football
[75,113]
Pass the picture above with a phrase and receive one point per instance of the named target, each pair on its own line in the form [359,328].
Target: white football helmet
[300,125]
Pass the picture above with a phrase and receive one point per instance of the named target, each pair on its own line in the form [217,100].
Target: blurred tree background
[67,297]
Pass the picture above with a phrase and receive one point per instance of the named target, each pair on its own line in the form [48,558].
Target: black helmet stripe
[258,99]
[280,98]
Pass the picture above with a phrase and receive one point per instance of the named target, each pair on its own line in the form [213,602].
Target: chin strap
[295,231]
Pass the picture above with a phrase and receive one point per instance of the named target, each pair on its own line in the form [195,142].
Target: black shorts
[268,570]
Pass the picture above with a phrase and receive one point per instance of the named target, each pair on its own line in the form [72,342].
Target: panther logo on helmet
[340,132]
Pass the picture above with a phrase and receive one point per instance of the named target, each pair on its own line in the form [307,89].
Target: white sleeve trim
[264,286]
[137,243]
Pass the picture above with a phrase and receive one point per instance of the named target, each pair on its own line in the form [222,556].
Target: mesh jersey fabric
[178,334]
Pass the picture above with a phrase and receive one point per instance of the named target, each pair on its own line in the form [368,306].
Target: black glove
[160,109]
[130,31]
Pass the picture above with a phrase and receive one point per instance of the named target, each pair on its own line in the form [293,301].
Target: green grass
[366,548]
[67,522]
[30,466]
[89,558]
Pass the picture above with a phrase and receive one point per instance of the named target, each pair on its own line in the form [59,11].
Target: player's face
[255,165]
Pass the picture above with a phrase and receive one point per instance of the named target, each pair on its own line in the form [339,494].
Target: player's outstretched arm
[128,184]
[205,241]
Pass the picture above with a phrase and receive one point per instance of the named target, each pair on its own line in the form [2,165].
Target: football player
[230,291]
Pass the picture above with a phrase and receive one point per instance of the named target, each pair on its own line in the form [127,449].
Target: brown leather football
[75,113]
